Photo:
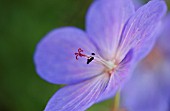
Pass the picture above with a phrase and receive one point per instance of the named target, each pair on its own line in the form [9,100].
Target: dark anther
[92,53]
[89,60]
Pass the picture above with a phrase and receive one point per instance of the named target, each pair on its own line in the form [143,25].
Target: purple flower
[142,92]
[95,63]
[149,87]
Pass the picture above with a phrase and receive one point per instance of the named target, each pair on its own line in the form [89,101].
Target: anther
[90,59]
[92,53]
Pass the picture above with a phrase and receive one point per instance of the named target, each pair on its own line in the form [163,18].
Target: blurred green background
[23,23]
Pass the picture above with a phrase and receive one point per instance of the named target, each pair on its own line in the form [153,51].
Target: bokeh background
[22,24]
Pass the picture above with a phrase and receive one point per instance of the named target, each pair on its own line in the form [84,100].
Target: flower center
[110,65]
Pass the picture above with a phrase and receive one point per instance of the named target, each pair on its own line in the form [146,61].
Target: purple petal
[164,77]
[105,20]
[142,93]
[140,30]
[144,51]
[164,39]
[137,3]
[55,58]
[111,89]
[78,97]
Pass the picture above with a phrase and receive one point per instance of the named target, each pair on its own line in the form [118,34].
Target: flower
[149,87]
[142,92]
[95,63]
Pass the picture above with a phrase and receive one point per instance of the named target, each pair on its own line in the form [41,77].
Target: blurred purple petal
[137,3]
[163,41]
[105,21]
[78,97]
[164,78]
[55,60]
[142,93]
[139,32]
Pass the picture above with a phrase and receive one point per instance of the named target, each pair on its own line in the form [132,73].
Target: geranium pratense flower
[148,88]
[96,62]
[142,91]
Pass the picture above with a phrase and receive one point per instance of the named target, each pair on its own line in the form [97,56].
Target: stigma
[80,54]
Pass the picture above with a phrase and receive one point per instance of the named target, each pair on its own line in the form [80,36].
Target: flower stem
[116,102]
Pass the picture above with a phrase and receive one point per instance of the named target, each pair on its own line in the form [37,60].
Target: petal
[140,30]
[78,97]
[110,91]
[144,51]
[164,77]
[164,39]
[105,20]
[55,59]
[142,93]
[137,3]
